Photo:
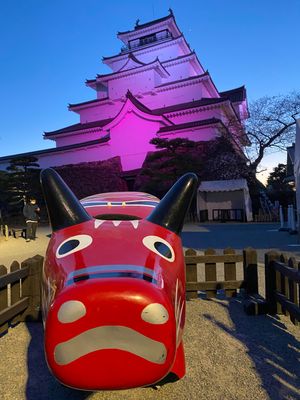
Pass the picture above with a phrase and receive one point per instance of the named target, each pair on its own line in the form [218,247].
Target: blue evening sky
[49,47]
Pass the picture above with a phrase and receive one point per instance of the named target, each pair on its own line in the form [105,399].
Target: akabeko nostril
[71,311]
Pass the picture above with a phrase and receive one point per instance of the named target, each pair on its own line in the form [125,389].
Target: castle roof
[206,75]
[147,24]
[141,48]
[235,95]
[159,111]
[87,102]
[167,22]
[138,104]
[153,64]
[190,78]
[103,122]
[78,127]
[192,124]
[175,107]
[57,149]
[131,57]
[139,107]
[190,104]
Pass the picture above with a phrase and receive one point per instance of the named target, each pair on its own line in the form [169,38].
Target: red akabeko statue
[114,286]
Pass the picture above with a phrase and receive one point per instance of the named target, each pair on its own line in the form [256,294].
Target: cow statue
[114,285]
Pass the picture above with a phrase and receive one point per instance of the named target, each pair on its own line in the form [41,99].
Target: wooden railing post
[3,299]
[15,291]
[31,287]
[282,285]
[6,232]
[191,274]
[294,288]
[250,271]
[270,281]
[210,273]
[229,272]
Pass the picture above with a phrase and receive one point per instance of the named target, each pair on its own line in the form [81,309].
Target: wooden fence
[20,292]
[282,285]
[282,280]
[20,297]
[228,262]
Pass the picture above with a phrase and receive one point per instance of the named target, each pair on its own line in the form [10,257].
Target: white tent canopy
[225,194]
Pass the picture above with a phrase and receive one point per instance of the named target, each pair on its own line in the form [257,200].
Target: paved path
[19,250]
[261,236]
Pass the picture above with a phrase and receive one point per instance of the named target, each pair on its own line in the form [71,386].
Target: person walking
[31,213]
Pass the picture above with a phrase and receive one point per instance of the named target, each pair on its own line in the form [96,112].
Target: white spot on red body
[71,311]
[155,313]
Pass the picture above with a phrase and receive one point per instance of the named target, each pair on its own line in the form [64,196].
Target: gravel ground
[229,356]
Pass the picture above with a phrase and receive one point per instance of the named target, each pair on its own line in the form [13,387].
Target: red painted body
[114,297]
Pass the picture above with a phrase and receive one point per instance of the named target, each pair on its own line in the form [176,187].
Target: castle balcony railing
[146,41]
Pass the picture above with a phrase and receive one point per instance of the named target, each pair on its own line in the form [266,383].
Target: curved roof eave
[141,110]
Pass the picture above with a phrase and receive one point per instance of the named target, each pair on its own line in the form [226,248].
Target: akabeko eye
[73,244]
[160,247]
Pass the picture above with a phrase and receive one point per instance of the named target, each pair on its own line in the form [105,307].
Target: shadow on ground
[274,351]
[41,384]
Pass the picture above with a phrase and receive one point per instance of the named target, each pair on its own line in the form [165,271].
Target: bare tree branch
[271,125]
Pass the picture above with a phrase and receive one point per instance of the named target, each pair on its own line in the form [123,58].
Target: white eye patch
[159,246]
[71,311]
[73,244]
[155,313]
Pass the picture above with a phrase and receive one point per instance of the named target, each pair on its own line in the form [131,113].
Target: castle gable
[133,106]
[131,62]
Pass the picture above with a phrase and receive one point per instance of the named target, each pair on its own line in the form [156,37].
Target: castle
[157,87]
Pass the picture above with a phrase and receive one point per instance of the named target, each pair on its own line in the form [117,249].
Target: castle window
[147,39]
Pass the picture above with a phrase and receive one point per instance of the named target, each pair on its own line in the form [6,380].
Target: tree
[276,180]
[278,188]
[271,126]
[223,161]
[162,168]
[3,192]
[23,179]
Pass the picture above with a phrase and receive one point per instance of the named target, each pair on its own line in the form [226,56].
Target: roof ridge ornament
[128,94]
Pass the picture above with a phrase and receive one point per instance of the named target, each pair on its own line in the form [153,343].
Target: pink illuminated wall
[133,145]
